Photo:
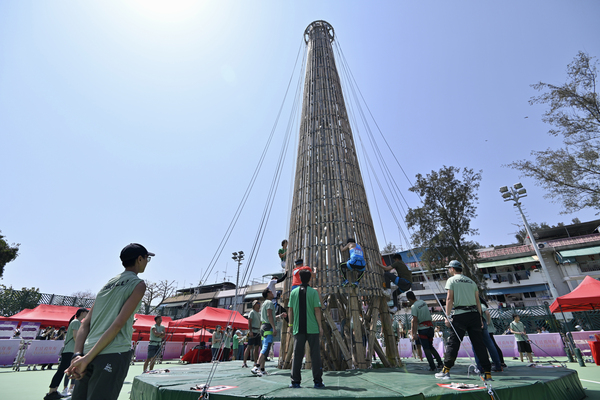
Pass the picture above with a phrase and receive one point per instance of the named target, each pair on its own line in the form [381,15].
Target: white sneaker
[255,370]
[65,392]
[443,375]
[260,373]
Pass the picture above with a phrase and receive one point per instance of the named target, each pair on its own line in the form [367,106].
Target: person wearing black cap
[463,298]
[103,345]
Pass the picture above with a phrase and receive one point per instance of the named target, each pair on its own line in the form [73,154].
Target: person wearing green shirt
[523,346]
[283,252]
[304,311]
[463,298]
[236,345]
[216,342]
[422,329]
[227,344]
[67,353]
[157,334]
[268,330]
[253,333]
[103,343]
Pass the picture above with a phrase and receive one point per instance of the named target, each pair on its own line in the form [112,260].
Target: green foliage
[7,253]
[389,248]
[571,174]
[443,222]
[12,301]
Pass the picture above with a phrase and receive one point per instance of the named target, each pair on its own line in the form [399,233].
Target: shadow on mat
[346,388]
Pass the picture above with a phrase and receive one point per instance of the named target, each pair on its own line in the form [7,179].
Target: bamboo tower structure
[329,206]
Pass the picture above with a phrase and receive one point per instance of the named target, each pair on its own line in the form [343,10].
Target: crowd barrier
[33,352]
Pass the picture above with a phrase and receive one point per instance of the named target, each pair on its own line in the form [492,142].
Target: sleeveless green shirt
[107,306]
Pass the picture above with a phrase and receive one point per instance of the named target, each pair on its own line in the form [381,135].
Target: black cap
[299,261]
[133,251]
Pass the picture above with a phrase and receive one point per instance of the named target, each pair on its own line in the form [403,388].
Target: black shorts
[523,346]
[103,377]
[153,350]
[254,340]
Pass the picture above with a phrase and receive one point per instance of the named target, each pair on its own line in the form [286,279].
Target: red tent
[46,315]
[201,336]
[585,297]
[210,317]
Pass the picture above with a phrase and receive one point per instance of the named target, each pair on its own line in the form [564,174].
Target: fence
[12,301]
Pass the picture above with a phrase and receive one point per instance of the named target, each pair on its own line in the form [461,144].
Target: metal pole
[553,290]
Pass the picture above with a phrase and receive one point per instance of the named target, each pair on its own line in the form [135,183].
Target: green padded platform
[518,382]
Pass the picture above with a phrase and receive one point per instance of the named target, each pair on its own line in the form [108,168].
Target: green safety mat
[230,381]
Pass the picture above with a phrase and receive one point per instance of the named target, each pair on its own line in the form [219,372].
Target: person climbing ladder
[355,263]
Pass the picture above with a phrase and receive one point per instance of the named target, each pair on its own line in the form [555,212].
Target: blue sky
[142,121]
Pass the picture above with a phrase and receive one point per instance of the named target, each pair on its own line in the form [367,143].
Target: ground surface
[34,384]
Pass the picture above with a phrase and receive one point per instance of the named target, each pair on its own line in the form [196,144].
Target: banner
[29,330]
[141,350]
[7,329]
[405,348]
[581,339]
[550,343]
[507,345]
[172,350]
[8,350]
[43,352]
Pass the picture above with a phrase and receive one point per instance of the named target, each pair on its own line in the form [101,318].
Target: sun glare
[167,10]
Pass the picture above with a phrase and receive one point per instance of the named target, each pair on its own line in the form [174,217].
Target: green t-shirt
[420,310]
[154,340]
[236,342]
[465,292]
[402,270]
[490,326]
[107,307]
[69,341]
[216,339]
[395,328]
[518,327]
[264,316]
[227,341]
[254,316]
[282,251]
[312,302]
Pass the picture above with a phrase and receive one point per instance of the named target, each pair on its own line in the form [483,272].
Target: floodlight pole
[237,257]
[515,193]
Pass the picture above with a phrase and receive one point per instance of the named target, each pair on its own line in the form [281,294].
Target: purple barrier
[507,344]
[550,343]
[43,352]
[7,329]
[29,330]
[141,350]
[581,339]
[172,350]
[466,349]
[276,347]
[8,350]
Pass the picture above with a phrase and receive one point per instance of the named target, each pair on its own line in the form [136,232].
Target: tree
[161,290]
[571,174]
[7,253]
[84,294]
[12,301]
[443,222]
[389,248]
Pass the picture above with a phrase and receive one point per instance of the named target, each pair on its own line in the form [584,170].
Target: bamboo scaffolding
[329,206]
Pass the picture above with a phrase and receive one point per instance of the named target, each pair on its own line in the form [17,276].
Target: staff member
[157,334]
[463,298]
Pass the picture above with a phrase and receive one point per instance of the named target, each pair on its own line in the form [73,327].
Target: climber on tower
[355,263]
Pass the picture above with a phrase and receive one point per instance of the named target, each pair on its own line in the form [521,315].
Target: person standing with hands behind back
[304,310]
[103,345]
